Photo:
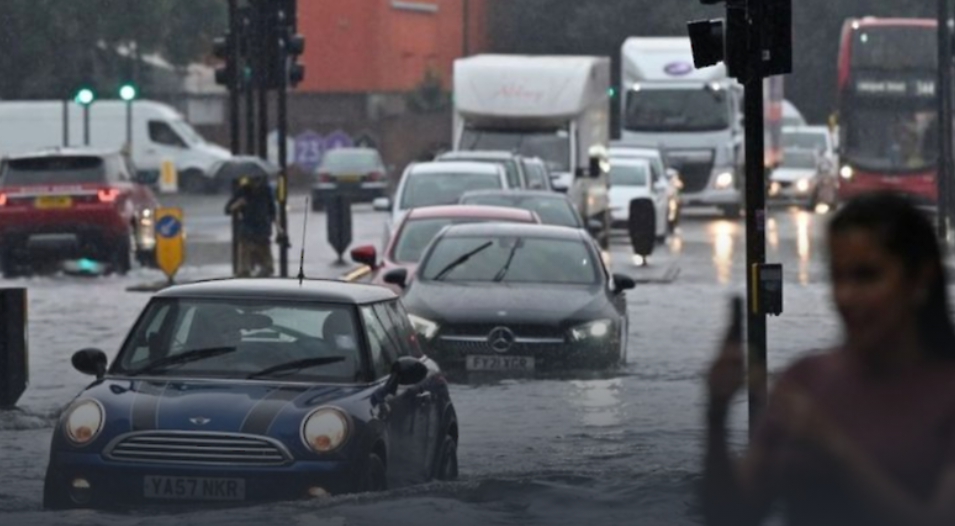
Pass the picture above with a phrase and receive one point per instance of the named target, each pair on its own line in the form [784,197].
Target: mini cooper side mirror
[409,371]
[91,362]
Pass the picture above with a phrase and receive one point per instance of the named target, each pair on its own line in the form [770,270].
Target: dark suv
[70,204]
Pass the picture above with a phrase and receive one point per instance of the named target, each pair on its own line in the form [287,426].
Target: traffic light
[84,96]
[778,37]
[128,92]
[294,47]
[222,50]
[721,39]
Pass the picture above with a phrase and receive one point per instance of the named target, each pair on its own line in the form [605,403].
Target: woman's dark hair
[906,232]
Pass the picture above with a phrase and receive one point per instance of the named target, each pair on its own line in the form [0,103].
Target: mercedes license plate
[499,363]
[192,488]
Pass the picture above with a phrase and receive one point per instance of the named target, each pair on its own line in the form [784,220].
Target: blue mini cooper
[254,390]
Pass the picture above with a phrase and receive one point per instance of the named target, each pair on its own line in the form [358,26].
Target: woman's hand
[728,372]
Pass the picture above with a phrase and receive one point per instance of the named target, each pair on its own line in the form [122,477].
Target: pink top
[904,422]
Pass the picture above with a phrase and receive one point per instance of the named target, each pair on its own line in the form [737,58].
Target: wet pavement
[602,450]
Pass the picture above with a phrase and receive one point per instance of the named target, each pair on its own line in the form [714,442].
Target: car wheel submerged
[374,477]
[447,467]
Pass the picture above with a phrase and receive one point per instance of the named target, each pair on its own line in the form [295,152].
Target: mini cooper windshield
[243,340]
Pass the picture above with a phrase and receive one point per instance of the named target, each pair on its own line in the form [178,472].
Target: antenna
[301,257]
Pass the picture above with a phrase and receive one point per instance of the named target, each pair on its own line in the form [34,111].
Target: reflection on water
[803,244]
[721,235]
[676,245]
[772,233]
[599,401]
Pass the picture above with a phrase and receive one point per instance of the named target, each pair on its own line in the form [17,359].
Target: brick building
[386,46]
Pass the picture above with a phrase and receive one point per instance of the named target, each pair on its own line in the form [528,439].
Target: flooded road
[601,450]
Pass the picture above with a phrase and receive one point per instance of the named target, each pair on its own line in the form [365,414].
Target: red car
[420,225]
[71,204]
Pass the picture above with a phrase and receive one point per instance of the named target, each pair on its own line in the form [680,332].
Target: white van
[159,133]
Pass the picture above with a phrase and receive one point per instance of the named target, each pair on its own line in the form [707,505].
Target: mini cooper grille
[198,448]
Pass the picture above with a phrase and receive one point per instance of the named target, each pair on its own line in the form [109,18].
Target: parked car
[438,183]
[817,138]
[65,204]
[512,298]
[661,168]
[802,180]
[419,226]
[358,172]
[552,207]
[512,163]
[633,179]
[238,391]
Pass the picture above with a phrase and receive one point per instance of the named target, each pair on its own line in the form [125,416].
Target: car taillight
[3,199]
[376,176]
[325,178]
[107,195]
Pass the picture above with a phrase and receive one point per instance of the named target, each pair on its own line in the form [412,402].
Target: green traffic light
[85,97]
[127,92]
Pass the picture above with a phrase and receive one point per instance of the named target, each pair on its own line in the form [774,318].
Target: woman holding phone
[863,434]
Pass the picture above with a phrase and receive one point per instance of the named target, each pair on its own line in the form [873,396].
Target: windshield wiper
[183,358]
[460,261]
[507,264]
[296,365]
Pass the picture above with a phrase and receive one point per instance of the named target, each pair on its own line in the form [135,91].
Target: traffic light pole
[946,170]
[283,154]
[755,201]
[86,124]
[261,72]
[235,88]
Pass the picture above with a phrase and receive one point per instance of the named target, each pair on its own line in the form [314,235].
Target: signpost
[168,178]
[170,241]
[308,150]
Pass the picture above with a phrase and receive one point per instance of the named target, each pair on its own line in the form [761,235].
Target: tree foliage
[600,27]
[50,47]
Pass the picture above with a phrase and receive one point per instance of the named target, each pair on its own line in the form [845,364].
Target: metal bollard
[14,362]
[641,226]
[339,223]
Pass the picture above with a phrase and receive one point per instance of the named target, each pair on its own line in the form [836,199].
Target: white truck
[696,115]
[556,108]
[159,133]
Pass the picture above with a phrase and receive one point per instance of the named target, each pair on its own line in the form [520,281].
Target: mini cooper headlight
[83,422]
[325,429]
[591,330]
[424,327]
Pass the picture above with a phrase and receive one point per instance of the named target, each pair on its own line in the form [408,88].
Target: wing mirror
[366,255]
[91,362]
[405,372]
[381,204]
[622,282]
[397,277]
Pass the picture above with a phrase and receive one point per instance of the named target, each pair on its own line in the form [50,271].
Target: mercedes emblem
[501,339]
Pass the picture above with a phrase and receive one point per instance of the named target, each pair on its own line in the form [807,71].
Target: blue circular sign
[678,69]
[168,227]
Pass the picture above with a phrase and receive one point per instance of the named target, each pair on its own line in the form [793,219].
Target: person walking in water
[863,434]
[253,203]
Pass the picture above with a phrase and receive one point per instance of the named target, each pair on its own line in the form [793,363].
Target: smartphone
[736,320]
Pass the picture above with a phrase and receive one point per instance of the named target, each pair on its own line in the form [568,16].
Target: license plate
[349,178]
[54,201]
[499,363]
[191,488]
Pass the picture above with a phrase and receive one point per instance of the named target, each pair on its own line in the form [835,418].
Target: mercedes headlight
[724,180]
[802,185]
[325,430]
[591,330]
[426,328]
[847,172]
[83,422]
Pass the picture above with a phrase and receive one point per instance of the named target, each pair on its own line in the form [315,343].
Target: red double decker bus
[888,129]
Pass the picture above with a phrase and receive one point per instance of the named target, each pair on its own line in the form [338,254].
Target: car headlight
[724,180]
[591,330]
[426,328]
[325,430]
[846,172]
[83,422]
[802,185]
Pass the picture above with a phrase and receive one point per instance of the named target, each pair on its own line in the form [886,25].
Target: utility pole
[284,31]
[247,82]
[946,170]
[264,46]
[235,29]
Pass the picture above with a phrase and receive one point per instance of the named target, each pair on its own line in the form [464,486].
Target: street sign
[170,241]
[308,150]
[168,178]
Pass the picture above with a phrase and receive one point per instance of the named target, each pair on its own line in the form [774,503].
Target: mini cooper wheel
[373,478]
[447,468]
